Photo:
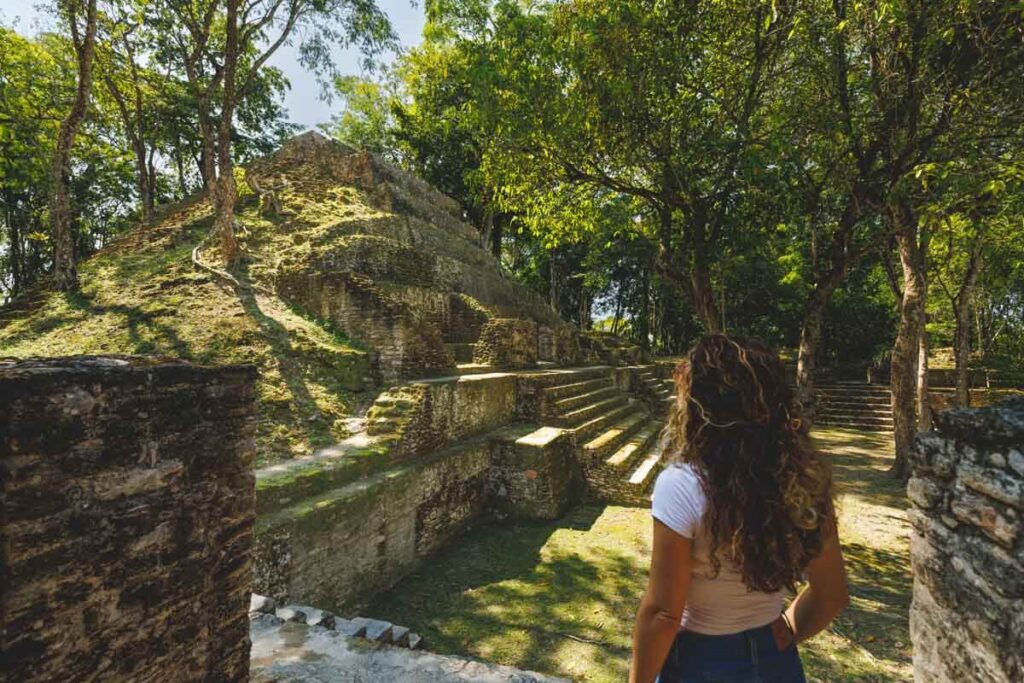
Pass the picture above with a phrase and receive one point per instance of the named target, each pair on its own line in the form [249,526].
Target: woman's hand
[826,594]
[657,621]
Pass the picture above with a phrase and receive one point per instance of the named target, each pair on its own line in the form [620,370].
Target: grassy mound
[143,295]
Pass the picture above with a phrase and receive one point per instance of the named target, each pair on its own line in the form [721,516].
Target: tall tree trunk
[643,319]
[226,192]
[703,296]
[65,275]
[807,356]
[14,238]
[961,353]
[553,280]
[907,345]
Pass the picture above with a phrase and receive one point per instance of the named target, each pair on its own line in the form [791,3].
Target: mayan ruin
[511,342]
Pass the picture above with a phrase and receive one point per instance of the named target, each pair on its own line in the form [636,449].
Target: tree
[222,46]
[81,21]
[654,100]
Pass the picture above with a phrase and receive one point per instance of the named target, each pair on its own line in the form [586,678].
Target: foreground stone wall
[126,517]
[967,490]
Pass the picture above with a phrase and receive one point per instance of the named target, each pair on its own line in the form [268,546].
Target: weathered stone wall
[404,345]
[508,343]
[338,549]
[967,490]
[126,517]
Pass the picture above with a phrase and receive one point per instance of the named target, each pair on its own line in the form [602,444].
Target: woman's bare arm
[826,594]
[657,621]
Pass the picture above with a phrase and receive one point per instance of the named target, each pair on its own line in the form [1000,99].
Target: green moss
[142,295]
[300,480]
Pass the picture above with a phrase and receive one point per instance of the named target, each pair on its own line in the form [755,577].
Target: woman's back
[717,603]
[743,513]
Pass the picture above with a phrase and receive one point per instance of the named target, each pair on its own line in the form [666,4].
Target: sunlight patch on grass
[561,597]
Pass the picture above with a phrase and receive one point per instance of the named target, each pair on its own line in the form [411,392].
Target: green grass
[561,597]
[142,295]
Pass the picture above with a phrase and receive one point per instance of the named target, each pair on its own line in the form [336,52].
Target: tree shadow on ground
[561,597]
[292,373]
[135,320]
[536,596]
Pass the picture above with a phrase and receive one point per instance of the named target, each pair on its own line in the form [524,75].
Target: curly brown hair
[769,493]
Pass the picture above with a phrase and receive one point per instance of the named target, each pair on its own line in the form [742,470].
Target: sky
[303,100]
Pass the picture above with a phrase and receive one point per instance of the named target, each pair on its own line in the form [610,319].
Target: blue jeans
[746,657]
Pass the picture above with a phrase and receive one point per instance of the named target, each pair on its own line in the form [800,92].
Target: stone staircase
[854,405]
[615,432]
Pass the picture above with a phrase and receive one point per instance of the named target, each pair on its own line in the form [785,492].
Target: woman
[742,513]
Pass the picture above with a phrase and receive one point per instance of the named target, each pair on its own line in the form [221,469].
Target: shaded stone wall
[404,346]
[126,518]
[338,549]
[507,343]
[967,490]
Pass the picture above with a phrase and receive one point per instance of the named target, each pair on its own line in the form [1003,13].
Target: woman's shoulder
[679,480]
[678,474]
[678,499]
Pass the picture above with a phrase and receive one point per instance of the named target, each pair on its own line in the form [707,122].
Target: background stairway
[615,432]
[854,405]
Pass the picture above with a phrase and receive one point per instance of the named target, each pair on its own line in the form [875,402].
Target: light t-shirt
[715,605]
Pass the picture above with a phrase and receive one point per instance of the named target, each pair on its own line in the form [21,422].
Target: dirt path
[560,598]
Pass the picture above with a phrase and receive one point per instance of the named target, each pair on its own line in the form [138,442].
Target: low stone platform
[288,651]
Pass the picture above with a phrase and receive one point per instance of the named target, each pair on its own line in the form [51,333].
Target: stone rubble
[292,652]
[374,630]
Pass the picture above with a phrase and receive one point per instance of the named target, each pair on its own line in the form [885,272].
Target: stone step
[563,405]
[627,454]
[578,416]
[866,411]
[853,402]
[850,424]
[611,438]
[586,431]
[853,390]
[473,368]
[646,471]
[560,391]
[853,395]
[854,420]
[461,352]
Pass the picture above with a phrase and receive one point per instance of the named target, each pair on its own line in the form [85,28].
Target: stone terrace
[440,455]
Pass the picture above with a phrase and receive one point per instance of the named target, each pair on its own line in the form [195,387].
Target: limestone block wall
[455,450]
[967,493]
[126,520]
[507,343]
[432,414]
[339,549]
[404,345]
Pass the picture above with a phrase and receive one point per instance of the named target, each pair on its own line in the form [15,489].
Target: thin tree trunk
[907,345]
[703,296]
[643,322]
[553,280]
[226,192]
[962,337]
[65,275]
[924,412]
[807,357]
